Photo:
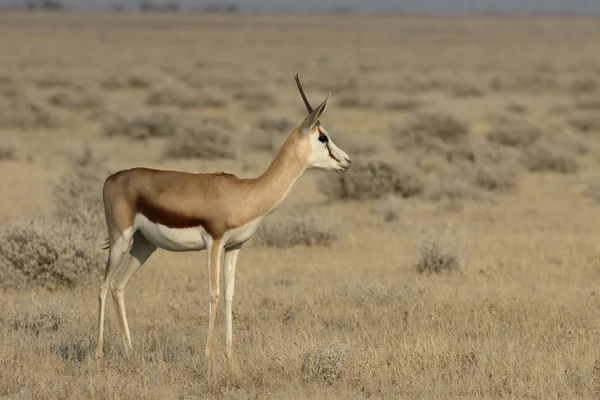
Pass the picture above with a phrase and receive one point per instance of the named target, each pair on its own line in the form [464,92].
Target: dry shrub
[436,256]
[200,138]
[49,253]
[432,132]
[61,250]
[75,100]
[516,108]
[130,81]
[548,157]
[593,192]
[139,124]
[532,84]
[275,125]
[588,103]
[52,80]
[353,100]
[296,230]
[452,188]
[325,362]
[176,95]
[78,193]
[513,133]
[255,100]
[19,112]
[585,122]
[403,104]
[370,180]
[412,85]
[500,177]
[7,153]
[265,141]
[389,208]
[356,145]
[584,86]
[464,89]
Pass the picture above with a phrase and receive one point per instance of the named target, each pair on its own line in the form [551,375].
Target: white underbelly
[172,239]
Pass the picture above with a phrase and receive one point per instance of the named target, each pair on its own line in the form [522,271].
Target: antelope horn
[306,103]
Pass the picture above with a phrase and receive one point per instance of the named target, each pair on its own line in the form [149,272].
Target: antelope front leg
[214,250]
[229,275]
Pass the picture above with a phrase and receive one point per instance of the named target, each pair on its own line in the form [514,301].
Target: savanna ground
[458,258]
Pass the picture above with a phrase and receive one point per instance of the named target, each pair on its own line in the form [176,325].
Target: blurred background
[458,257]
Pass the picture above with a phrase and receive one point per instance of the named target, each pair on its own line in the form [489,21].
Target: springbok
[218,212]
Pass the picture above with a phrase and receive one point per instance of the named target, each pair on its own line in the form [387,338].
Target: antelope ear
[313,118]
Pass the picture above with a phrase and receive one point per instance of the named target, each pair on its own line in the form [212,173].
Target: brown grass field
[457,258]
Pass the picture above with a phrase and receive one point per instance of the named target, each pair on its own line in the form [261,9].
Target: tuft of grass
[44,321]
[200,138]
[297,230]
[370,180]
[325,363]
[436,257]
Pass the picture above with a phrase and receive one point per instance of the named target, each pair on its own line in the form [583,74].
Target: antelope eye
[323,139]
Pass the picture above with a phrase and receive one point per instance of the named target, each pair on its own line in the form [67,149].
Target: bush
[548,158]
[513,133]
[585,122]
[200,138]
[403,104]
[435,257]
[389,208]
[370,180]
[75,101]
[49,253]
[464,89]
[298,230]
[280,125]
[7,153]
[78,193]
[140,125]
[432,132]
[255,101]
[131,81]
[172,94]
[19,112]
[62,250]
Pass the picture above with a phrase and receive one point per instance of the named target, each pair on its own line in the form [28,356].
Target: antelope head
[324,154]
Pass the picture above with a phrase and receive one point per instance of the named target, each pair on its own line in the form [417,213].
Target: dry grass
[333,303]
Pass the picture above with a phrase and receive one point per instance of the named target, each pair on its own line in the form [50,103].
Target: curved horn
[306,103]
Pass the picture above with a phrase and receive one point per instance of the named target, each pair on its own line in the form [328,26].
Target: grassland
[458,258]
